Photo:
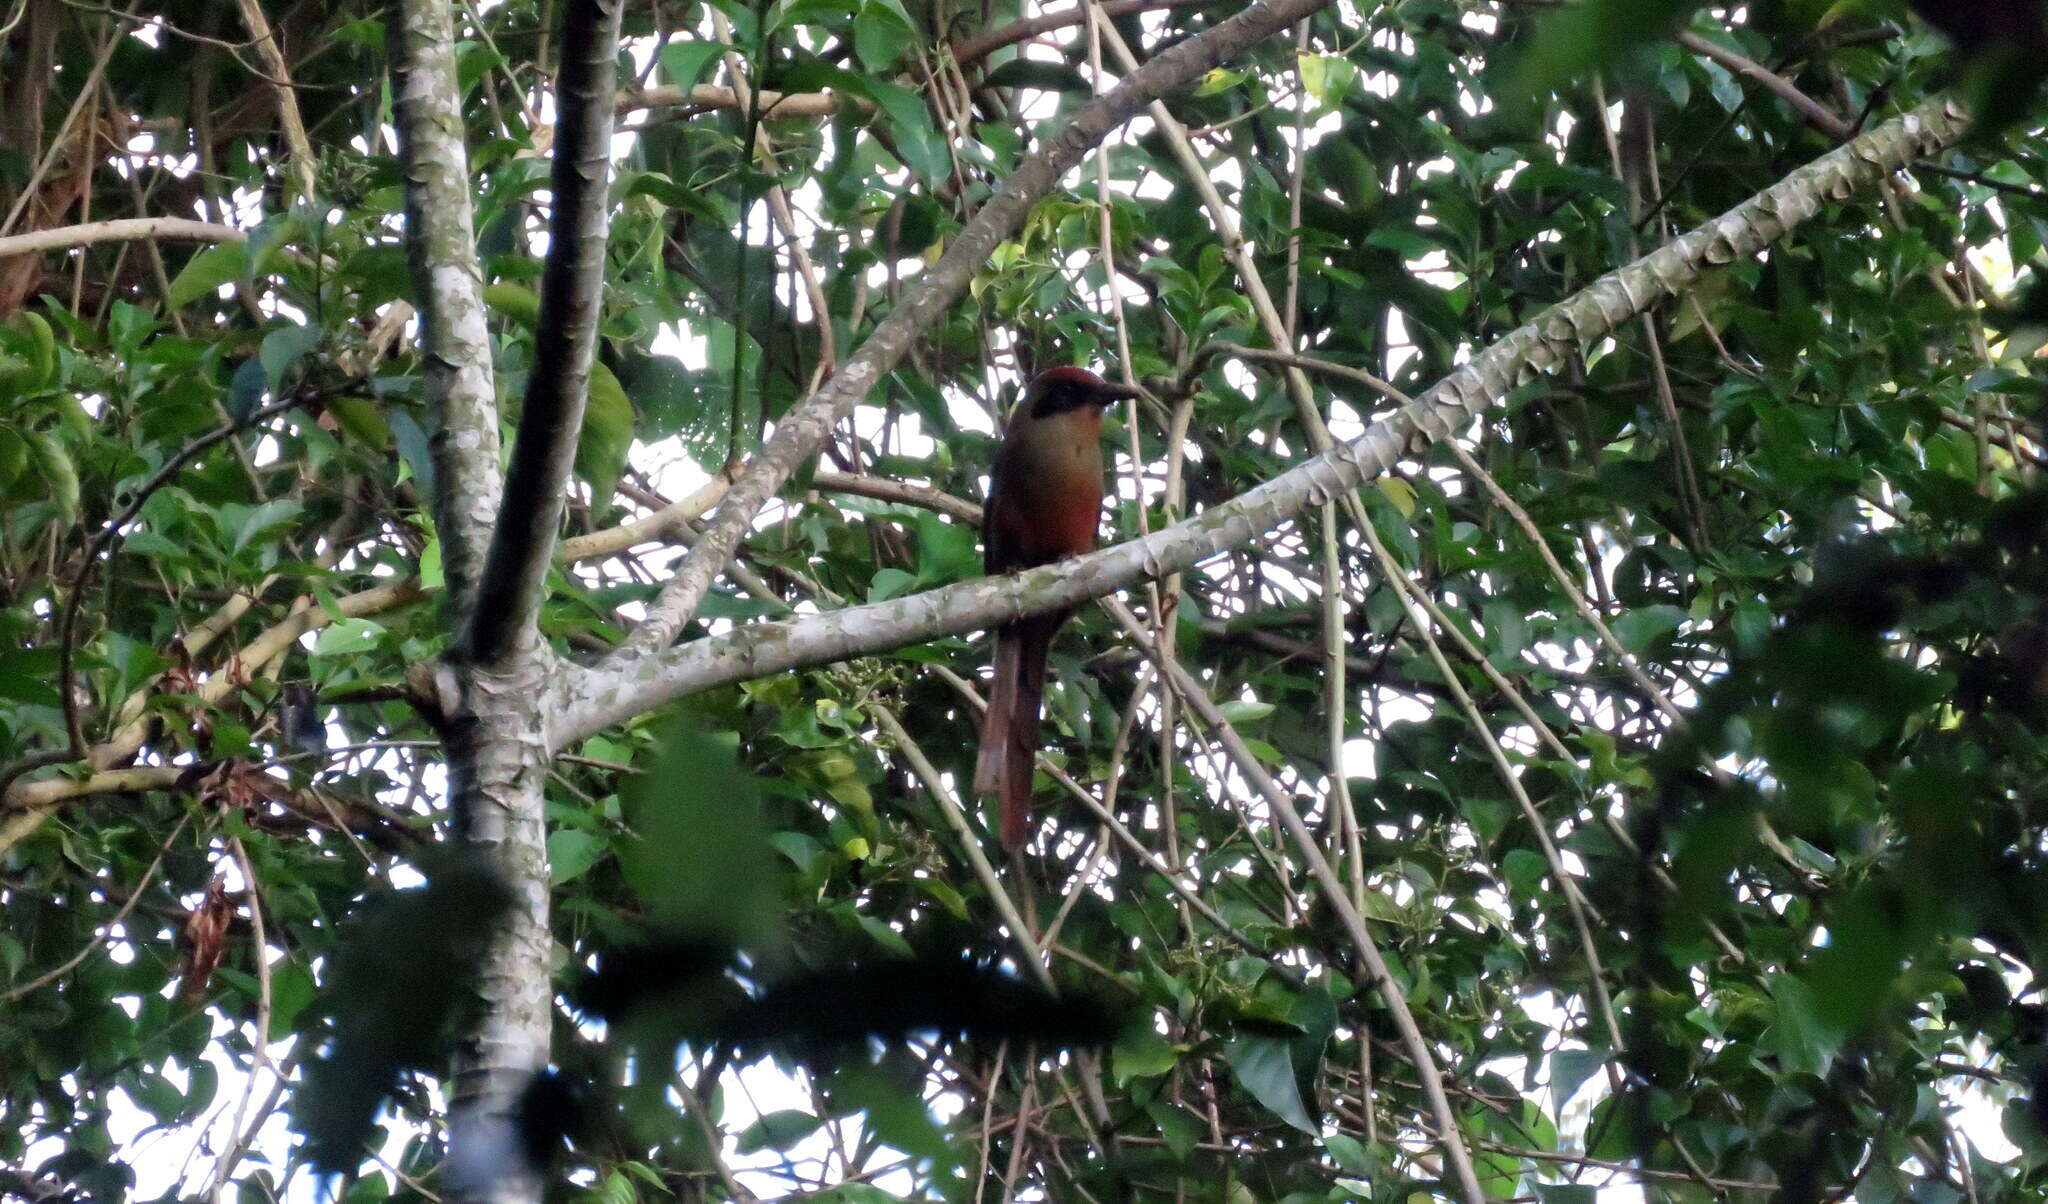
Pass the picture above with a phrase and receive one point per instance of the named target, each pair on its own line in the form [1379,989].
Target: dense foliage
[1690,785]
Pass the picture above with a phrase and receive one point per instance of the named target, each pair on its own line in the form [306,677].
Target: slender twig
[1372,969]
[278,73]
[239,1138]
[32,189]
[1811,111]
[970,843]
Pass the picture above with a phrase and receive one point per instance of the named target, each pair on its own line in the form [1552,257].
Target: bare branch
[125,229]
[714,96]
[981,45]
[1810,110]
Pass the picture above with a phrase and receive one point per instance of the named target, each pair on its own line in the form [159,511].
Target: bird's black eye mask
[1061,398]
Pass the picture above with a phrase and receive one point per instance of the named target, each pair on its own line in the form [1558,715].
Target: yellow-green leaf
[607,436]
[54,462]
[362,420]
[42,348]
[1400,493]
[219,264]
[13,457]
[514,302]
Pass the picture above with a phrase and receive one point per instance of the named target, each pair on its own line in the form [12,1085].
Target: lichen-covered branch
[440,242]
[602,697]
[798,436]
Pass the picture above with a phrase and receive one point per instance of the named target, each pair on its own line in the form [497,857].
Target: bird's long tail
[1009,732]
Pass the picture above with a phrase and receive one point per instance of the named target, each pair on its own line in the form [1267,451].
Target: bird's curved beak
[1112,392]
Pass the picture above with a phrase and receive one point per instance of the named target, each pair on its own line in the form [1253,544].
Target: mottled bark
[440,243]
[497,542]
[600,698]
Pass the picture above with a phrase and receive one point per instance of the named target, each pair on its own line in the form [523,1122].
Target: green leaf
[923,151]
[53,460]
[402,973]
[699,859]
[1398,492]
[1327,78]
[246,389]
[414,450]
[206,272]
[362,419]
[946,551]
[664,392]
[1595,35]
[1801,1039]
[1264,1068]
[13,457]
[42,354]
[27,676]
[268,241]
[347,637]
[1240,711]
[1179,1130]
[1524,869]
[247,524]
[888,938]
[1348,1153]
[607,437]
[888,583]
[777,1131]
[291,992]
[513,302]
[1141,1053]
[945,896]
[880,36]
[571,853]
[1638,629]
[1569,1070]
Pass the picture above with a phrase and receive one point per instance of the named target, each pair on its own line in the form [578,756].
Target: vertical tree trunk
[497,758]
[498,541]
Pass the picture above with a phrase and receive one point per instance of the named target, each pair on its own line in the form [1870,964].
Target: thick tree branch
[440,244]
[600,698]
[798,436]
[571,295]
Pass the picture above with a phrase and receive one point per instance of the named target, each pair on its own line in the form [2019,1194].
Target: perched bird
[1044,504]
